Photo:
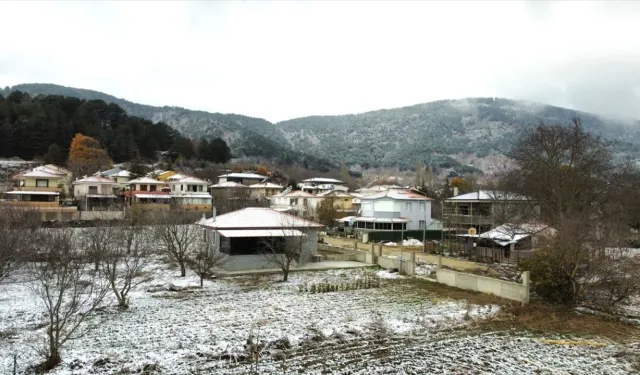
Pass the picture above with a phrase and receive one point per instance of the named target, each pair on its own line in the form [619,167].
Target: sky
[288,59]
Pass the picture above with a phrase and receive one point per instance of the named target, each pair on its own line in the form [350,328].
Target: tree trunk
[201,281]
[285,275]
[53,359]
[183,270]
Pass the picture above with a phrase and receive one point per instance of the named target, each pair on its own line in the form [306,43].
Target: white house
[119,175]
[298,201]
[190,193]
[394,210]
[242,235]
[264,190]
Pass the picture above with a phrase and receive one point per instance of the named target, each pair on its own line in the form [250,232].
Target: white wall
[501,288]
[388,208]
[80,190]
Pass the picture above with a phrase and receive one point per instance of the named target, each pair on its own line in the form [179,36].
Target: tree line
[43,126]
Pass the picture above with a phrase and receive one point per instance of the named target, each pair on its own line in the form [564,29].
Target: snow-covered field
[395,329]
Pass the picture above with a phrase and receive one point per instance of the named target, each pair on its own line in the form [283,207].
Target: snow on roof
[334,193]
[228,184]
[346,219]
[383,219]
[266,185]
[397,194]
[323,180]
[114,172]
[42,174]
[145,180]
[297,193]
[262,233]
[177,176]
[510,233]
[487,195]
[94,180]
[248,176]
[24,192]
[258,218]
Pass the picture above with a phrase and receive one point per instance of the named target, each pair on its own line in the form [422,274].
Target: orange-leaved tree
[464,185]
[86,155]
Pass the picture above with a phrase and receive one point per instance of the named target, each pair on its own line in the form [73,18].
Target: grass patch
[542,318]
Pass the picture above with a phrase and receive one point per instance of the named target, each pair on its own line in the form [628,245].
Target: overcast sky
[280,60]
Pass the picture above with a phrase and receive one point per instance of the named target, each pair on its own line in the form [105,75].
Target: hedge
[397,236]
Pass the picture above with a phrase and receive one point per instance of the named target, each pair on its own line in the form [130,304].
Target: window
[423,206]
[173,187]
[407,206]
[42,183]
[463,210]
[93,190]
[181,187]
[153,188]
[423,224]
[200,188]
[143,187]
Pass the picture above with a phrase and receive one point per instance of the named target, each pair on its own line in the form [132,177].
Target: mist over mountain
[435,133]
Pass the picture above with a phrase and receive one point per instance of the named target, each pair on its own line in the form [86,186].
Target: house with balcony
[299,202]
[342,201]
[96,193]
[246,179]
[321,184]
[483,210]
[148,194]
[189,193]
[394,210]
[40,189]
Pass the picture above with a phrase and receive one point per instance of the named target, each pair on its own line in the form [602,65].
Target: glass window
[153,188]
[143,187]
[422,206]
[42,183]
[423,224]
[407,206]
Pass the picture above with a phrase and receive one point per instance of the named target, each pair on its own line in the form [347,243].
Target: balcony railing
[467,219]
[38,188]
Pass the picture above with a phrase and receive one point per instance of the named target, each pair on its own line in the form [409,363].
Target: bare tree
[327,212]
[100,240]
[204,259]
[570,175]
[290,243]
[178,236]
[68,293]
[16,236]
[123,265]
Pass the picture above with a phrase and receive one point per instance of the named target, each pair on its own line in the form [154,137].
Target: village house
[246,179]
[40,189]
[96,193]
[375,189]
[242,235]
[320,184]
[117,174]
[148,194]
[394,210]
[342,202]
[299,202]
[482,210]
[189,193]
[264,190]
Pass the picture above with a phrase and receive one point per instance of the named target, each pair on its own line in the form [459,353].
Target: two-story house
[40,189]
[483,210]
[264,190]
[189,193]
[394,210]
[146,193]
[297,201]
[96,193]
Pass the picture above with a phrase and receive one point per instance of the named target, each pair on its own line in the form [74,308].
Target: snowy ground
[395,329]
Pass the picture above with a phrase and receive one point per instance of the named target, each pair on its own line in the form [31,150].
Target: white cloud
[280,60]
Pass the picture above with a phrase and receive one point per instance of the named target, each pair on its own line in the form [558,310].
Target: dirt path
[455,263]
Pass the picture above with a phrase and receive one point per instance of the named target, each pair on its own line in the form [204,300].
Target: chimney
[213,217]
[455,191]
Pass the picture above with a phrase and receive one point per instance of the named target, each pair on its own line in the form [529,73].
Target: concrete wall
[505,289]
[101,215]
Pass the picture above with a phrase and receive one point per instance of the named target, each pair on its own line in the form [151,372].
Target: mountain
[436,132]
[443,134]
[246,136]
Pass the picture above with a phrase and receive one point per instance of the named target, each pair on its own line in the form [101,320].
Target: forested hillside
[29,126]
[432,132]
[246,136]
